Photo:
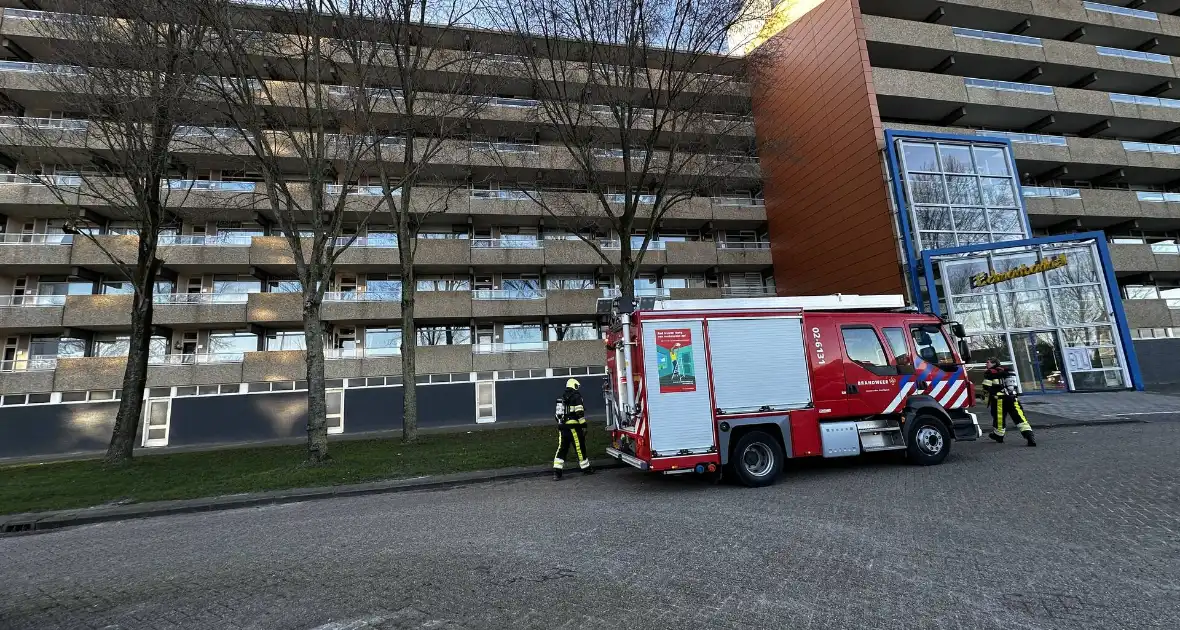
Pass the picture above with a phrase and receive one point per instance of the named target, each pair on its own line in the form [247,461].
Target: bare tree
[646,104]
[427,93]
[124,77]
[299,128]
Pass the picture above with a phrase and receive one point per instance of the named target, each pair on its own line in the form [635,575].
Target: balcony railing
[513,102]
[510,195]
[508,294]
[1150,101]
[505,147]
[18,238]
[227,240]
[1050,191]
[513,346]
[369,191]
[32,300]
[65,124]
[204,184]
[1133,54]
[376,241]
[1023,40]
[1171,249]
[506,243]
[40,180]
[363,296]
[198,358]
[360,353]
[646,292]
[35,364]
[1026,138]
[1151,147]
[1157,197]
[742,245]
[1173,304]
[746,291]
[1107,8]
[39,68]
[646,200]
[739,201]
[1008,86]
[200,298]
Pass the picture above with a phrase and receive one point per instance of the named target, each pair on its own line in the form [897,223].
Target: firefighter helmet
[573,384]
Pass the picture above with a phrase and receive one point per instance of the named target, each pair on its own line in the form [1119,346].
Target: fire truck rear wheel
[757,459]
[930,440]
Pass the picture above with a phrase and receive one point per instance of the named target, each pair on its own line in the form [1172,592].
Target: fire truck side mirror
[959,330]
[964,351]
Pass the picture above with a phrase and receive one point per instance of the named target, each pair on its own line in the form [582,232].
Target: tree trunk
[409,352]
[130,413]
[627,271]
[317,402]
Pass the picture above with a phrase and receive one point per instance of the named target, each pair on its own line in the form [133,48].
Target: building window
[380,342]
[444,335]
[286,340]
[573,331]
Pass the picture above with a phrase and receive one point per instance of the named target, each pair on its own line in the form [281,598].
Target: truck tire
[757,459]
[929,440]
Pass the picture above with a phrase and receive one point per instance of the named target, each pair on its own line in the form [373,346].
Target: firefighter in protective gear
[571,418]
[1004,401]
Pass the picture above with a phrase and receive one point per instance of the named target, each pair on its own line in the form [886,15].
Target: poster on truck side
[676,368]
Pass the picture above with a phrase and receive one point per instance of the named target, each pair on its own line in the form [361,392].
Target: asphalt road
[1081,532]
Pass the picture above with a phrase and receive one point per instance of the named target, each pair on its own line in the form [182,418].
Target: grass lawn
[54,486]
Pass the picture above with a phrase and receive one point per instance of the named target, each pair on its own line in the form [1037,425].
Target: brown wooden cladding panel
[815,110]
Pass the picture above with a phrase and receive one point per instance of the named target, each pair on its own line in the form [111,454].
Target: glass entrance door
[1038,362]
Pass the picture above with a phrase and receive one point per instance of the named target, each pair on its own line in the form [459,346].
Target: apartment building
[1012,165]
[506,298]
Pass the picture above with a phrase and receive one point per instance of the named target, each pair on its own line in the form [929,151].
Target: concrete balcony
[285,365]
[494,253]
[738,211]
[84,373]
[701,293]
[572,301]
[31,312]
[272,308]
[360,307]
[98,253]
[577,353]
[198,373]
[442,305]
[1150,314]
[443,359]
[98,312]
[363,254]
[41,252]
[575,253]
[271,252]
[447,252]
[1141,259]
[24,382]
[510,357]
[694,255]
[198,309]
[507,304]
[749,256]
[205,255]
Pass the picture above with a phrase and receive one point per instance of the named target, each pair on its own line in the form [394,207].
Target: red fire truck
[740,384]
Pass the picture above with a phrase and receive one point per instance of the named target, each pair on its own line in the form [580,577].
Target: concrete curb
[38,522]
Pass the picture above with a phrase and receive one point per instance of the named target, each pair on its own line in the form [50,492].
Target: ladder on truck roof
[837,302]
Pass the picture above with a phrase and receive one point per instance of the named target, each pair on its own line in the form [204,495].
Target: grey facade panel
[56,429]
[249,418]
[1157,361]
[534,399]
[380,408]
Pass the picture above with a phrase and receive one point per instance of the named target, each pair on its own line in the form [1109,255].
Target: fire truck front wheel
[930,440]
[757,459]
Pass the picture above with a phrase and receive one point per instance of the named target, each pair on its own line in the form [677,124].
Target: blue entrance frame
[921,261]
[1112,286]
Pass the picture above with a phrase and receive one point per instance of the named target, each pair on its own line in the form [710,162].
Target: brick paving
[1084,533]
[1105,405]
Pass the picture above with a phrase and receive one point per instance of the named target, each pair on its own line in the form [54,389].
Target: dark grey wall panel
[1159,360]
[533,399]
[380,408]
[56,429]
[241,418]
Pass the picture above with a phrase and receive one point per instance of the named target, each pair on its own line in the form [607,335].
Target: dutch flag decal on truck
[948,388]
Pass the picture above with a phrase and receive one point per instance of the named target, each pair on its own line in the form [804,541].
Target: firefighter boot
[1028,435]
[589,470]
[996,436]
[557,474]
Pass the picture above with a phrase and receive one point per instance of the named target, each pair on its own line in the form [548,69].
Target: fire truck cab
[741,384]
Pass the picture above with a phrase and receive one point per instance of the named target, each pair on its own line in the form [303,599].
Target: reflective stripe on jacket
[575,410]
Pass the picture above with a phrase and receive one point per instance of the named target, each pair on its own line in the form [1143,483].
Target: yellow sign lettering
[987,279]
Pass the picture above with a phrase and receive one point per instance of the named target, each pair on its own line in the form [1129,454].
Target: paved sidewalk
[1099,407]
[42,521]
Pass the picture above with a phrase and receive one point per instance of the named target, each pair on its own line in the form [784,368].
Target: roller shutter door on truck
[679,412]
[759,363]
